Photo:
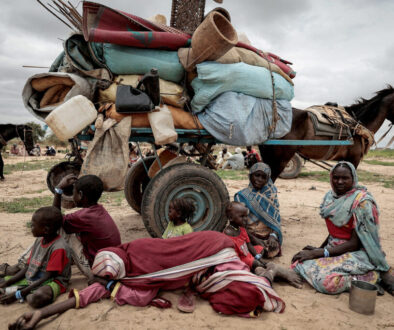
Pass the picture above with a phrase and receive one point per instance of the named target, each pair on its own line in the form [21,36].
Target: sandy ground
[305,308]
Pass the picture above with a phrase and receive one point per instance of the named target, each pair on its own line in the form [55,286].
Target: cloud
[341,50]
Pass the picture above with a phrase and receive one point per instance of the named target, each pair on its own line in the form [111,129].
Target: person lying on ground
[48,270]
[93,227]
[261,198]
[135,272]
[248,248]
[352,249]
[180,211]
[236,161]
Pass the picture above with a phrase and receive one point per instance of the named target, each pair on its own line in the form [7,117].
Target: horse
[370,113]
[8,132]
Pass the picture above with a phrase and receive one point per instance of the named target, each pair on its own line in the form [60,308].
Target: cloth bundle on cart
[209,73]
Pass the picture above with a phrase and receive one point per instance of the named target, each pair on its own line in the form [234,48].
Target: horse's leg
[277,157]
[1,167]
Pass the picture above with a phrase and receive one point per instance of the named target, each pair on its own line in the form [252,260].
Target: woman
[352,249]
[261,198]
[133,273]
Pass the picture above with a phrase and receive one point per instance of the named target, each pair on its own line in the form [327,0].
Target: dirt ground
[306,309]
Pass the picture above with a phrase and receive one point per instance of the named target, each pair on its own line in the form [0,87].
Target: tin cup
[362,297]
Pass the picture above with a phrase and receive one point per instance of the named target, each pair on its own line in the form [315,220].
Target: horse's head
[25,133]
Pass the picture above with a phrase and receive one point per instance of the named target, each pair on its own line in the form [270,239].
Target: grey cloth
[236,162]
[240,120]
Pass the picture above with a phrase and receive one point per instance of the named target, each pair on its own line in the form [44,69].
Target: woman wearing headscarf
[135,272]
[352,249]
[261,198]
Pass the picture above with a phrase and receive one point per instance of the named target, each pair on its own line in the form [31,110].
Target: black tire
[202,185]
[136,181]
[293,168]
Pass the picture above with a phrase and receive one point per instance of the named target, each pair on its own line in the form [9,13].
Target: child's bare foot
[286,274]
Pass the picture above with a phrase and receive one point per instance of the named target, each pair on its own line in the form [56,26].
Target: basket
[186,15]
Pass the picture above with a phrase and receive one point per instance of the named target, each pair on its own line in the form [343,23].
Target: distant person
[14,150]
[180,211]
[50,151]
[252,157]
[236,161]
[48,269]
[223,156]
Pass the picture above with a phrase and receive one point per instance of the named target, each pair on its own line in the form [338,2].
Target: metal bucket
[362,297]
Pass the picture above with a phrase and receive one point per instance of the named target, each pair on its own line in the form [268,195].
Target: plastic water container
[71,117]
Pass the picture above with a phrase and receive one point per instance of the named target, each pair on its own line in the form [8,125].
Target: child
[93,226]
[180,212]
[237,215]
[48,268]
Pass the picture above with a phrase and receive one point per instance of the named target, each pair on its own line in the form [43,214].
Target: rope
[275,116]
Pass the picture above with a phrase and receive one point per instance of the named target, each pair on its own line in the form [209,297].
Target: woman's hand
[306,255]
[309,247]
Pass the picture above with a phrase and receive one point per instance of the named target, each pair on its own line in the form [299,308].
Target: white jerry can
[71,117]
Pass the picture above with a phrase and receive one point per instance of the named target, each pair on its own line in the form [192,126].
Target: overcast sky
[341,50]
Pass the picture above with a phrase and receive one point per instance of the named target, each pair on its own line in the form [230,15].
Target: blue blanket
[241,120]
[215,78]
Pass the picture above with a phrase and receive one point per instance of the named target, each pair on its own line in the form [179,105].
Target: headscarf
[263,204]
[340,209]
[261,167]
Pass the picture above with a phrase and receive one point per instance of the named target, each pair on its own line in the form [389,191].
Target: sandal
[161,303]
[186,302]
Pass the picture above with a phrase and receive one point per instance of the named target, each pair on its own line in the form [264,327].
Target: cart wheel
[204,187]
[136,181]
[58,172]
[292,169]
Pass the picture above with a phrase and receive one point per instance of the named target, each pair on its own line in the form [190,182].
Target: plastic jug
[162,125]
[71,117]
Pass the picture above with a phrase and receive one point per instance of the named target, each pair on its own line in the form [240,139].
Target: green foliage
[380,153]
[233,174]
[25,205]
[378,162]
[38,131]
[363,177]
[30,166]
[52,140]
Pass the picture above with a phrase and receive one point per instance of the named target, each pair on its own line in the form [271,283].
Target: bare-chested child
[248,248]
[48,268]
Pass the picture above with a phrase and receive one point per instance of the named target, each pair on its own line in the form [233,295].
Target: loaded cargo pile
[206,78]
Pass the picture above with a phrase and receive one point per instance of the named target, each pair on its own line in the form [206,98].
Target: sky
[341,50]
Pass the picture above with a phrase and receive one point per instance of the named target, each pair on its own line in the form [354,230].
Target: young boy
[48,269]
[93,225]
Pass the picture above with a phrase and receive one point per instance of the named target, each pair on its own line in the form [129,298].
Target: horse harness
[335,122]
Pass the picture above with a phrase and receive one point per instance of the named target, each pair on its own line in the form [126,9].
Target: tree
[38,131]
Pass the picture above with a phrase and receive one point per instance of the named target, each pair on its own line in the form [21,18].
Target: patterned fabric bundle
[108,265]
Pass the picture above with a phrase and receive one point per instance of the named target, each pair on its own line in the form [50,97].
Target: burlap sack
[108,153]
